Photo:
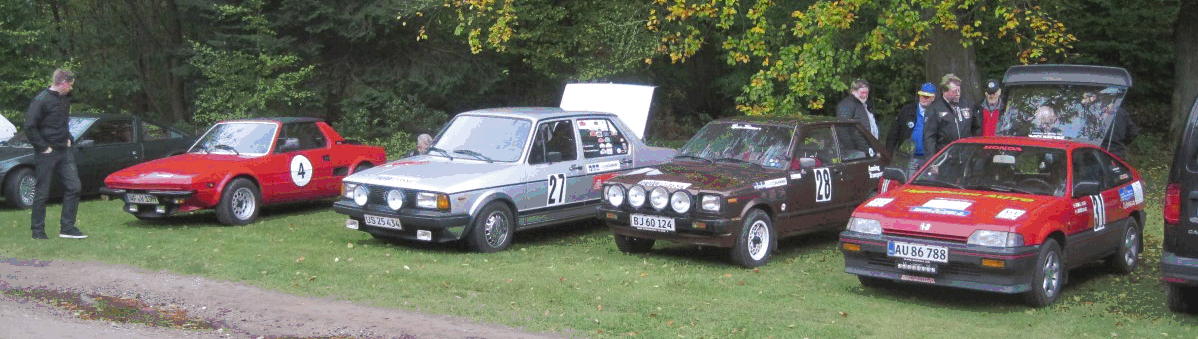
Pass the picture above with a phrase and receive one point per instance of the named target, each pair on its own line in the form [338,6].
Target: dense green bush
[390,121]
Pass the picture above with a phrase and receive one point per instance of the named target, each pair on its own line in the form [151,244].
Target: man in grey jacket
[48,127]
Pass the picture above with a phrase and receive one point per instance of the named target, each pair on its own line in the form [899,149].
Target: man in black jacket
[1122,131]
[47,125]
[951,119]
[854,107]
[910,121]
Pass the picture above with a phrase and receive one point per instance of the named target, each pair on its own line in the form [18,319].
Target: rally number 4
[557,188]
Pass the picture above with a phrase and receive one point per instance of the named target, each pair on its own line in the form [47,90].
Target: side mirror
[803,163]
[1084,188]
[87,143]
[287,145]
[895,174]
[553,157]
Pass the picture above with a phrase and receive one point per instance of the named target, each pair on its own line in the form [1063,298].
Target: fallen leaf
[727,275]
[300,259]
[349,245]
[756,270]
[644,274]
[670,323]
[313,278]
[742,282]
[562,279]
[600,307]
[843,314]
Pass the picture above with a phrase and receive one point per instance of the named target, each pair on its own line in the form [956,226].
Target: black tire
[1049,275]
[872,282]
[19,187]
[1125,260]
[628,244]
[493,228]
[756,242]
[362,167]
[239,204]
[1176,297]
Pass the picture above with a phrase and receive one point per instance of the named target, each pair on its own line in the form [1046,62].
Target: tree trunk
[1185,37]
[945,55]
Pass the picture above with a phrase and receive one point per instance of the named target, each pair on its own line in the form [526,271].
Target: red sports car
[238,166]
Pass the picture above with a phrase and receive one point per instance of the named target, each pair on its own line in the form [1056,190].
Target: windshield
[1075,112]
[495,138]
[242,138]
[1002,168]
[741,142]
[77,126]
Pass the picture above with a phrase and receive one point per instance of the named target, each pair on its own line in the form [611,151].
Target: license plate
[917,251]
[652,223]
[384,222]
[135,198]
[351,224]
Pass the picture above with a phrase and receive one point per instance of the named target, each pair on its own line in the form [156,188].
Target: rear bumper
[964,268]
[414,223]
[1178,269]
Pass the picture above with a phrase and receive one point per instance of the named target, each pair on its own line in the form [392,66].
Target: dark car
[742,183]
[105,143]
[1179,260]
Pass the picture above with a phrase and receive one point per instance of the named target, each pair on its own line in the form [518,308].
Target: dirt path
[243,311]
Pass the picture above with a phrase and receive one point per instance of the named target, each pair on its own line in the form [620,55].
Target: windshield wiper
[931,182]
[226,148]
[999,188]
[473,153]
[443,152]
[737,160]
[687,156]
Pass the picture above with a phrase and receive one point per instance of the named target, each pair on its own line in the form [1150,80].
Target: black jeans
[62,163]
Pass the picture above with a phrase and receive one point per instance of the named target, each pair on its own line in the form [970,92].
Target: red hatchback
[239,166]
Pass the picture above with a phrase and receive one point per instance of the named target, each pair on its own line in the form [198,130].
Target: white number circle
[301,170]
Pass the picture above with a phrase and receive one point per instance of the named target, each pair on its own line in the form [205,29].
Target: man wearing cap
[950,119]
[986,122]
[908,126]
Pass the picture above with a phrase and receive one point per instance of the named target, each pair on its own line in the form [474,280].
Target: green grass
[573,280]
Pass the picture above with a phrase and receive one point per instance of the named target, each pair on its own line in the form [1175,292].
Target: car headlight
[614,194]
[995,238]
[659,198]
[710,203]
[636,196]
[680,201]
[395,199]
[360,195]
[867,226]
[347,189]
[432,201]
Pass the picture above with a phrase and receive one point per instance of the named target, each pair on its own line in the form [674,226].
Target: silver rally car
[495,171]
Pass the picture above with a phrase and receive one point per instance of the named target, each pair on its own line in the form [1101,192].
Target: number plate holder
[141,199]
[651,223]
[915,266]
[917,252]
[384,222]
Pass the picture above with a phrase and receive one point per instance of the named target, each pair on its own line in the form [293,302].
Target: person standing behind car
[423,142]
[950,120]
[909,124]
[47,125]
[855,107]
[1122,131]
[986,122]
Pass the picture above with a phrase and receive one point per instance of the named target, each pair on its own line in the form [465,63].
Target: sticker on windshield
[1010,214]
[603,166]
[779,182]
[301,170]
[667,184]
[557,188]
[823,184]
[875,171]
[745,126]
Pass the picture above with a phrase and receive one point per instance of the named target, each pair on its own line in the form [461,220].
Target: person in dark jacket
[854,106]
[1122,131]
[908,126]
[47,125]
[951,119]
[986,121]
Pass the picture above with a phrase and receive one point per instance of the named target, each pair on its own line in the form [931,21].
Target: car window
[107,132]
[1087,167]
[818,143]
[153,132]
[76,126]
[301,136]
[1116,171]
[243,138]
[999,168]
[765,145]
[553,136]
[853,144]
[1080,112]
[496,138]
[601,138]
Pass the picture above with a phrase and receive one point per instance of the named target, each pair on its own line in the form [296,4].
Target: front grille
[378,195]
[881,259]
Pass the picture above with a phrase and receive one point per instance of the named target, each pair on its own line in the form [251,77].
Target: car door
[812,195]
[1088,232]
[555,179]
[862,163]
[305,152]
[112,148]
[158,141]
[605,154]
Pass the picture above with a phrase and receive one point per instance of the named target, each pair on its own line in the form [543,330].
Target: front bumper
[715,231]
[964,268]
[166,202]
[414,224]
[1178,269]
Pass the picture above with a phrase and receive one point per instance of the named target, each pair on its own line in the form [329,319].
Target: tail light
[1173,204]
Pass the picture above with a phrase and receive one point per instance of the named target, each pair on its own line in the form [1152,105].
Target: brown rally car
[744,182]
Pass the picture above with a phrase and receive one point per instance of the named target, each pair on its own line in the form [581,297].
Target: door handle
[575,167]
[626,161]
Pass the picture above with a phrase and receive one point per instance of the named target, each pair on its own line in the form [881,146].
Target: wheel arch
[10,171]
[486,199]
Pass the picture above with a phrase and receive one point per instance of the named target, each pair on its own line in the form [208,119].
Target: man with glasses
[950,119]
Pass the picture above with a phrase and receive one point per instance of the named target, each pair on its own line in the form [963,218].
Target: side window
[1086,167]
[1117,173]
[853,143]
[601,138]
[112,132]
[553,136]
[152,132]
[301,136]
[817,142]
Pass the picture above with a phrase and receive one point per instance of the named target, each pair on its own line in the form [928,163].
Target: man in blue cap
[908,127]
